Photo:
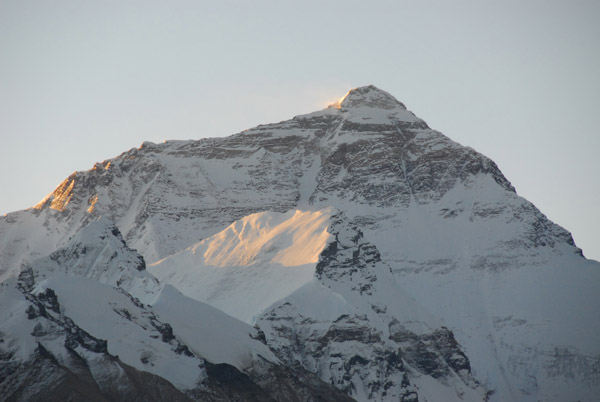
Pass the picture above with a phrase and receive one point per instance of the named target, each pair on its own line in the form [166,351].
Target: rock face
[356,252]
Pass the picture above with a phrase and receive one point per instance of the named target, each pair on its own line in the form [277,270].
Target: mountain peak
[368,96]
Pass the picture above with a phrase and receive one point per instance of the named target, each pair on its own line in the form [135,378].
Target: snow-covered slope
[232,269]
[365,248]
[75,314]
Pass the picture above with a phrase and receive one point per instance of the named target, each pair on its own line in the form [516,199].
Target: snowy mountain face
[349,253]
[74,327]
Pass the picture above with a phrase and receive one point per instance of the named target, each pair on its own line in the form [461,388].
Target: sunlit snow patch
[254,262]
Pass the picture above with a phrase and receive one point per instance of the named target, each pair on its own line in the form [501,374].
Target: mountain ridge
[427,281]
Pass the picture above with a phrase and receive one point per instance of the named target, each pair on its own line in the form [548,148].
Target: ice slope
[209,333]
[251,264]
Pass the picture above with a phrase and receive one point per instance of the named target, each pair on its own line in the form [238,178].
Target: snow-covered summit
[369,249]
[368,96]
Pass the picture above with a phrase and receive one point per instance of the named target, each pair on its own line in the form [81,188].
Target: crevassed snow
[251,264]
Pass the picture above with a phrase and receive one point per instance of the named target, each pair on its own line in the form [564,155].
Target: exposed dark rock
[45,379]
[49,300]
[226,382]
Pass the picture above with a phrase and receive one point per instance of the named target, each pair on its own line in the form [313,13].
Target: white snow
[128,339]
[251,264]
[209,332]
[464,261]
[15,328]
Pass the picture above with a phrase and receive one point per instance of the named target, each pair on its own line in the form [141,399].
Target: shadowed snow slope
[232,269]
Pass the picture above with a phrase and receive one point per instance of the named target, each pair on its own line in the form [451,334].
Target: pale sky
[519,81]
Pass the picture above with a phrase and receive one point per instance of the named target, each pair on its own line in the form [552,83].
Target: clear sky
[82,81]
